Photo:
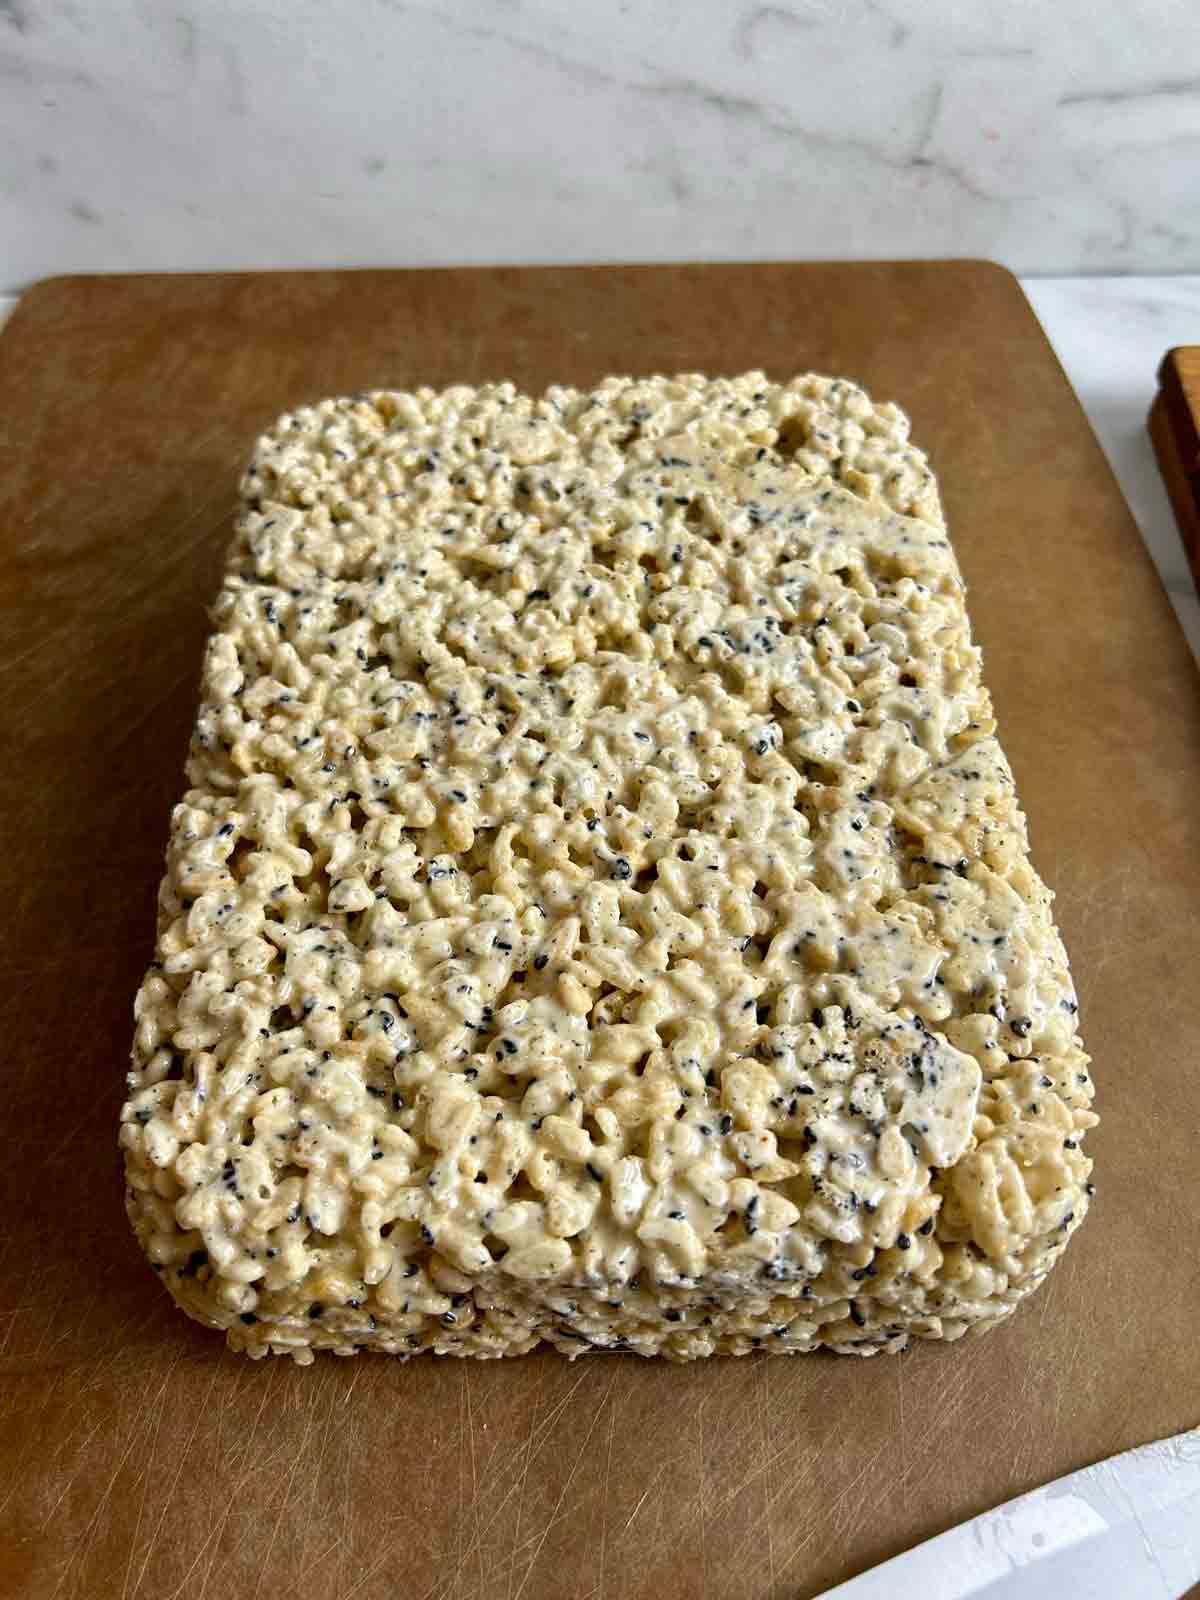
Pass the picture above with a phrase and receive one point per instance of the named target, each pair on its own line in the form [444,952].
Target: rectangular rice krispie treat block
[600,912]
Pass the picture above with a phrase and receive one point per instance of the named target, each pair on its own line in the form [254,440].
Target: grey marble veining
[1057,137]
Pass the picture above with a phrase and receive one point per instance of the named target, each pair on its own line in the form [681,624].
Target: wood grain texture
[137,1458]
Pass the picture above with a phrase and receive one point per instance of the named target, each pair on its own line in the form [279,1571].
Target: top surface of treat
[598,859]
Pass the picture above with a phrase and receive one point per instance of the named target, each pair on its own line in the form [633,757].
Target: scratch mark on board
[570,1478]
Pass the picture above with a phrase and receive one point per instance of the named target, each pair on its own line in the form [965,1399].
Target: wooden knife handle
[1175,431]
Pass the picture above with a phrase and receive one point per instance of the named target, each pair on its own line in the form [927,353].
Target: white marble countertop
[1110,334]
[229,134]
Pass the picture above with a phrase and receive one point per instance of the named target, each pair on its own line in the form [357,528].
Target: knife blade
[1126,1529]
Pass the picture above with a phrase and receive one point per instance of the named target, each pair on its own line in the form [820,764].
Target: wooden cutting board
[137,1458]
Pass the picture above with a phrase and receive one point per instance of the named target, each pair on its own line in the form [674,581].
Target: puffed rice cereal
[600,912]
